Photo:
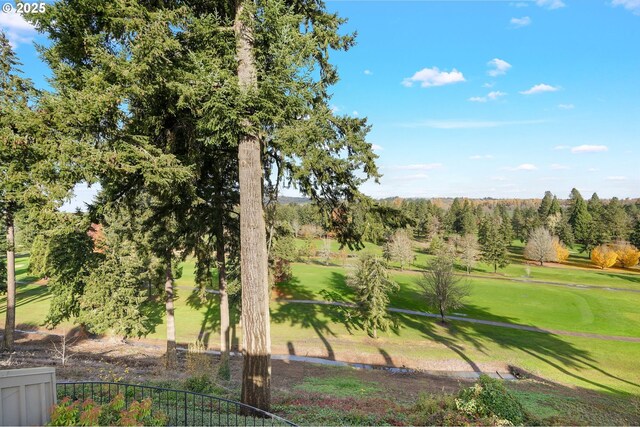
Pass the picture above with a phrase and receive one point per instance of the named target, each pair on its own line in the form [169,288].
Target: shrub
[200,384]
[628,254]
[562,253]
[603,256]
[489,398]
[114,413]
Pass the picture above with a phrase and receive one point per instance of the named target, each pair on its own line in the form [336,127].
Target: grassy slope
[602,365]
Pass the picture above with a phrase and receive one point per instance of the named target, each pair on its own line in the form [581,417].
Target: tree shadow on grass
[210,322]
[25,296]
[548,348]
[624,276]
[306,316]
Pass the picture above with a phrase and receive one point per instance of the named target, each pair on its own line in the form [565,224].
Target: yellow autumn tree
[603,256]
[628,254]
[562,253]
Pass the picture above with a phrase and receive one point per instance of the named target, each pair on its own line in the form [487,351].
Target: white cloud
[551,4]
[495,94]
[593,170]
[519,4]
[520,22]
[481,157]
[490,96]
[500,67]
[335,108]
[376,147]
[467,124]
[542,87]
[556,167]
[522,167]
[355,113]
[419,167]
[488,85]
[632,5]
[561,147]
[616,178]
[428,77]
[589,149]
[368,72]
[17,29]
[566,106]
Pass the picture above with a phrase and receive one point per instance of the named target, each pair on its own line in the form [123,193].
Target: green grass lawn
[580,310]
[322,331]
[578,270]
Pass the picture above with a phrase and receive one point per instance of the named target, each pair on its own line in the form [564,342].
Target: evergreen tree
[264,94]
[555,207]
[493,248]
[530,222]
[545,206]
[599,230]
[616,219]
[453,215]
[30,173]
[634,239]
[563,230]
[506,230]
[580,220]
[372,287]
[517,224]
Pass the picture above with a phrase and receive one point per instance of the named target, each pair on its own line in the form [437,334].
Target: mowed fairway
[324,331]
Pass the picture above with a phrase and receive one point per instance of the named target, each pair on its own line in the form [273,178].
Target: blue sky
[485,98]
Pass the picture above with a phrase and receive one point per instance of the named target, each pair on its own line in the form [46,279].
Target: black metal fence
[182,408]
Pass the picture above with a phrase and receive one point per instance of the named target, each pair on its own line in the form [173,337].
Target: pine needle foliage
[372,285]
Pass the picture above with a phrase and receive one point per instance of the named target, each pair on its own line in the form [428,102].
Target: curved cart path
[457,318]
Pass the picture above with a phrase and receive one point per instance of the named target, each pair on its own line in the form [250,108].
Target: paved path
[477,321]
[458,318]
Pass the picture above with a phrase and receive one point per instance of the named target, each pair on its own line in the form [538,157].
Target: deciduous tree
[628,254]
[562,253]
[442,289]
[398,248]
[603,256]
[469,250]
[540,246]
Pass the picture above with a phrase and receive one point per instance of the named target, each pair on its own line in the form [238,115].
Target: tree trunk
[224,300]
[171,356]
[10,322]
[256,337]
[375,333]
[442,315]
